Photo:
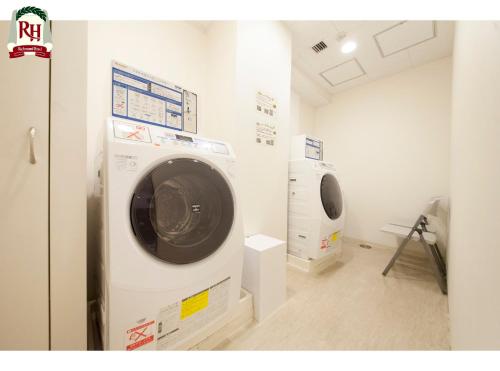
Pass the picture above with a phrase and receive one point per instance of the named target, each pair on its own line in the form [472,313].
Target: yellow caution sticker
[194,304]
[333,236]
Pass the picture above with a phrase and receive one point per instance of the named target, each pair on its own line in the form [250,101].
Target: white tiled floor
[352,306]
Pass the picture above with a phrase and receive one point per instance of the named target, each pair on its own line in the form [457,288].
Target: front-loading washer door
[182,211]
[331,196]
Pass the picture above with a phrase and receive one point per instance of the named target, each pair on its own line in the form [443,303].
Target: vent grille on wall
[319,47]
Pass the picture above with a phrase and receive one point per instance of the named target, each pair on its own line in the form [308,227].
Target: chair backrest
[432,206]
[438,214]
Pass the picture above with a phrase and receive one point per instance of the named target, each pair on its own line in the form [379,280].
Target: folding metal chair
[419,232]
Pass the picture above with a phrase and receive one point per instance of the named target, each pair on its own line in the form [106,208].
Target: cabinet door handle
[32,134]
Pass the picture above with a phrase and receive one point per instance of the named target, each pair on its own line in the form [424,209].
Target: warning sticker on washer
[334,236]
[126,162]
[327,243]
[194,304]
[139,336]
[179,320]
[138,133]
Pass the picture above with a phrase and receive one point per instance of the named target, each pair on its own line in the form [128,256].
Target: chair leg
[437,259]
[441,260]
[403,244]
[435,249]
[435,265]
[396,255]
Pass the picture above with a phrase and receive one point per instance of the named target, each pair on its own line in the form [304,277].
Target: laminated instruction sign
[314,149]
[266,119]
[189,119]
[142,97]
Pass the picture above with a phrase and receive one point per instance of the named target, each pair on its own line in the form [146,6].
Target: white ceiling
[309,91]
[384,48]
[202,25]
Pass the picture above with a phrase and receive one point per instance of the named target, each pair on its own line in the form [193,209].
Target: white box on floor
[264,273]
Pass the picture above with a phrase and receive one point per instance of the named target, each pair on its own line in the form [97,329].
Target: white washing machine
[316,209]
[172,249]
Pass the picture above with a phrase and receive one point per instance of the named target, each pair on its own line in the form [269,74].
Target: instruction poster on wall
[266,125]
[139,96]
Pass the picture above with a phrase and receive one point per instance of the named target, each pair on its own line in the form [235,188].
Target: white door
[24,200]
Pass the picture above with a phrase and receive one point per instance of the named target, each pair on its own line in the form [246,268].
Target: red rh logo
[31,30]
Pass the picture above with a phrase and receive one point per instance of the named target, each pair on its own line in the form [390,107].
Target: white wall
[311,92]
[221,64]
[263,63]
[389,140]
[302,115]
[474,253]
[236,73]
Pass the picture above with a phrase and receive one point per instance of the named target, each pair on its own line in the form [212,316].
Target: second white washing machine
[316,210]
[171,257]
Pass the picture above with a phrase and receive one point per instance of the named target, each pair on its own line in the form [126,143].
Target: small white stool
[264,273]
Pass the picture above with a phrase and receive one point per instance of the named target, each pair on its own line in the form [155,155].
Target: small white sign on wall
[266,119]
[190,111]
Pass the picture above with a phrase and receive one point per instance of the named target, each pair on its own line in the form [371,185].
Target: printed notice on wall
[189,111]
[266,124]
[142,97]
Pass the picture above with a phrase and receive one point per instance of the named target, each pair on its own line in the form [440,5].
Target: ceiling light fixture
[346,45]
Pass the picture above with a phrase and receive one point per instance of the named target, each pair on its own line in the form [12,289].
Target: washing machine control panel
[158,136]
[190,142]
[324,165]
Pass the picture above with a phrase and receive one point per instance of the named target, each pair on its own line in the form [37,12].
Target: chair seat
[403,231]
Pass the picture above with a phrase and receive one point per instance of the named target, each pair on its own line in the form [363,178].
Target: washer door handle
[32,134]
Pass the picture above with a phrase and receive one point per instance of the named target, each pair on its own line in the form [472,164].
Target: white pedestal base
[242,316]
[313,266]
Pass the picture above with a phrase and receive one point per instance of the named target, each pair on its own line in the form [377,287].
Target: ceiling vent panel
[319,46]
[404,35]
[343,72]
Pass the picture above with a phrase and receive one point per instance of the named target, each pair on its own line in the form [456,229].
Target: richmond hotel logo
[29,33]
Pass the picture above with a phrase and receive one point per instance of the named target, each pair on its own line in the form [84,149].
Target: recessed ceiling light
[348,46]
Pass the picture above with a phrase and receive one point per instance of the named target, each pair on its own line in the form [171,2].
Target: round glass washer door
[182,211]
[331,196]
